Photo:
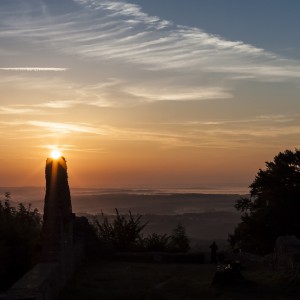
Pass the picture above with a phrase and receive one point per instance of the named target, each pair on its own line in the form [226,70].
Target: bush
[156,242]
[20,238]
[124,233]
[179,242]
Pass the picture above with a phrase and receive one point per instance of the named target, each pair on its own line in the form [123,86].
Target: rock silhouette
[57,231]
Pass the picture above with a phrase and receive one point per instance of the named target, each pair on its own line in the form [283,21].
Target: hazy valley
[206,217]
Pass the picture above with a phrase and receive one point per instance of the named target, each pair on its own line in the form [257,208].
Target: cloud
[47,91]
[34,69]
[257,132]
[119,32]
[34,81]
[12,110]
[179,94]
[156,47]
[201,136]
[259,120]
[64,128]
[279,118]
[121,56]
[58,104]
[117,8]
[73,148]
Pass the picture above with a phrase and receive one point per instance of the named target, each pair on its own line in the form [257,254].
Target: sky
[140,93]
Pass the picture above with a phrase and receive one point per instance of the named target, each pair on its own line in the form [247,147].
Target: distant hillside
[142,201]
[205,216]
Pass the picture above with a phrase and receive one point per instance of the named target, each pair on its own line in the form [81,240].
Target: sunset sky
[148,93]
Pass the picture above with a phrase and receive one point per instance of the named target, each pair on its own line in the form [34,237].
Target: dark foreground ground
[126,280]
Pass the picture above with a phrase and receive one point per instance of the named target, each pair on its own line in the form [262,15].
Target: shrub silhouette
[20,238]
[273,207]
[156,242]
[179,242]
[124,233]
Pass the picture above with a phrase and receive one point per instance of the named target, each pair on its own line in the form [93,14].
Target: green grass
[123,280]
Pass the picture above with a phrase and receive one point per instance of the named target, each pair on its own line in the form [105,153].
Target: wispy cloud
[34,69]
[58,104]
[117,8]
[120,32]
[65,128]
[71,148]
[13,110]
[179,94]
[203,136]
[265,132]
[258,120]
[46,91]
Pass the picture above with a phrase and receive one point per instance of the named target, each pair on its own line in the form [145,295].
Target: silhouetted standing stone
[58,217]
[45,280]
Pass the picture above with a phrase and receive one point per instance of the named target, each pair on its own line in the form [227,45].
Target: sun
[55,154]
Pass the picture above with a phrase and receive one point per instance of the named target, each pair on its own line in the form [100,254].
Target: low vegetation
[124,233]
[20,240]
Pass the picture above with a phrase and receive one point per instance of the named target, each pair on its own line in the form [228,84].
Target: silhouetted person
[213,253]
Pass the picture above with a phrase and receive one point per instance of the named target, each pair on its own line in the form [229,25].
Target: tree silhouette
[124,233]
[273,207]
[179,240]
[156,242]
[20,240]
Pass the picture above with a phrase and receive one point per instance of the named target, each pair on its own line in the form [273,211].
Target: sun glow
[55,154]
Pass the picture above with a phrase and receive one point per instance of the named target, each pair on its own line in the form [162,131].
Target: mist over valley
[206,216]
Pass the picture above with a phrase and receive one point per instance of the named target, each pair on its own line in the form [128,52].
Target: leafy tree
[273,207]
[123,234]
[179,242]
[156,242]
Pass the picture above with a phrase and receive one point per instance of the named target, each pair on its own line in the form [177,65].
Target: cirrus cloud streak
[35,69]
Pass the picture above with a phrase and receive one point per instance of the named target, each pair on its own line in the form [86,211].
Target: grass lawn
[123,280]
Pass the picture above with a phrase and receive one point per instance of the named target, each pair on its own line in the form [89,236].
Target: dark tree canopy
[273,208]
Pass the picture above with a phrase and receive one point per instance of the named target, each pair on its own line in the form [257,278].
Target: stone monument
[45,280]
[57,228]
